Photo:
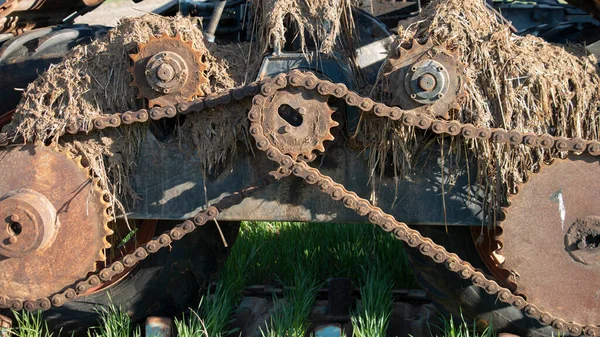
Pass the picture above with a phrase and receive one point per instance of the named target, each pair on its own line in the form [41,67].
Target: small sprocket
[168,70]
[298,121]
[426,79]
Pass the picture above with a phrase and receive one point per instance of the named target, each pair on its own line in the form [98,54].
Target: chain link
[151,247]
[388,223]
[261,93]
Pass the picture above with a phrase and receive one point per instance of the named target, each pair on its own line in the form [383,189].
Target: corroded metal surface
[299,121]
[50,208]
[550,239]
[30,221]
[263,92]
[426,79]
[168,70]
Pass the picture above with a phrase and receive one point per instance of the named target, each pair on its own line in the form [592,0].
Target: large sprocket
[547,248]
[53,222]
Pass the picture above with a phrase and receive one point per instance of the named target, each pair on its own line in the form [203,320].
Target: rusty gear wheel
[168,70]
[426,79]
[298,121]
[51,234]
[548,246]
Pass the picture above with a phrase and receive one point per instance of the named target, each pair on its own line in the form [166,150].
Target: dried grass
[513,82]
[94,80]
[323,20]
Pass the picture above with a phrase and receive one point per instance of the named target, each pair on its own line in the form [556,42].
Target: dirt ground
[111,11]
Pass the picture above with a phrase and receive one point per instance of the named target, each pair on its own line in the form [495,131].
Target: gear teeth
[98,192]
[411,53]
[186,90]
[134,57]
[101,257]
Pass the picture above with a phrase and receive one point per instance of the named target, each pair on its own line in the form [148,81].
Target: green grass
[327,250]
[30,324]
[290,316]
[192,325]
[114,323]
[453,328]
[373,315]
[300,257]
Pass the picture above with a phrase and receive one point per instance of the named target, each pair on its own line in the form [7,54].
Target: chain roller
[261,92]
[130,260]
[400,229]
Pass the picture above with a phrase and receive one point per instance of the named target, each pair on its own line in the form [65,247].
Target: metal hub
[551,236]
[168,70]
[427,82]
[53,222]
[29,221]
[432,80]
[582,240]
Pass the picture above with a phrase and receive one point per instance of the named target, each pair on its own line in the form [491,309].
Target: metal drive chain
[141,253]
[261,92]
[387,222]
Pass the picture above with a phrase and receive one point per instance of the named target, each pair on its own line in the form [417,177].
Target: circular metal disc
[81,234]
[535,239]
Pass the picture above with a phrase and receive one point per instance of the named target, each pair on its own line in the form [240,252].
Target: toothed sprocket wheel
[53,222]
[298,121]
[547,248]
[168,70]
[426,79]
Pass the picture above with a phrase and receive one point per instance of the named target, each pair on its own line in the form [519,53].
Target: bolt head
[427,82]
[165,72]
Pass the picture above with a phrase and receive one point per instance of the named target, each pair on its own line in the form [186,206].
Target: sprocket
[53,220]
[548,246]
[298,121]
[168,70]
[426,79]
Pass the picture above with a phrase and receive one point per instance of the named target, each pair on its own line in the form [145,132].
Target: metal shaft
[214,21]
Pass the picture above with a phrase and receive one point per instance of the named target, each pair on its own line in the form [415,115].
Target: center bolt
[165,72]
[427,82]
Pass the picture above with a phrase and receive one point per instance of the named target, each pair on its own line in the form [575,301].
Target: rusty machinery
[291,122]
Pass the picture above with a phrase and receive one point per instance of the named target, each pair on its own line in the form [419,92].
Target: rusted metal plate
[541,244]
[75,241]
[170,181]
